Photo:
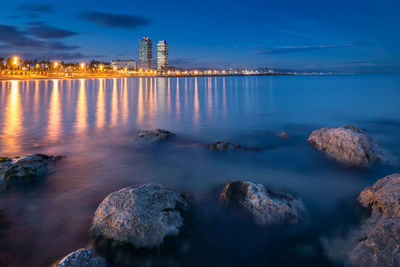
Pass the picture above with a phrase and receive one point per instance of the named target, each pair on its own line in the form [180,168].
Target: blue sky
[346,36]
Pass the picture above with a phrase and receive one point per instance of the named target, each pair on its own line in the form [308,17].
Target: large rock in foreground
[348,145]
[153,136]
[379,244]
[376,241]
[24,167]
[266,206]
[81,258]
[141,216]
[221,145]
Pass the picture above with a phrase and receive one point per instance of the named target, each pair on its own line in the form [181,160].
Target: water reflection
[100,106]
[140,104]
[81,109]
[196,106]
[125,101]
[114,103]
[54,124]
[51,110]
[13,117]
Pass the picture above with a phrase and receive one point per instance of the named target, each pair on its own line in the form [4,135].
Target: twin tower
[146,54]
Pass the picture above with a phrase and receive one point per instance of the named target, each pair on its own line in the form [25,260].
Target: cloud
[15,38]
[296,49]
[48,32]
[108,20]
[37,8]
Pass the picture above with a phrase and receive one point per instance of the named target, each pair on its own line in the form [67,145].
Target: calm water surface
[92,122]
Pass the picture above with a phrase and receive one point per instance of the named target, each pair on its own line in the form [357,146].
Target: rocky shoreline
[143,216]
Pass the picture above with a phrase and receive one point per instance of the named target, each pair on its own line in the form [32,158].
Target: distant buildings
[122,64]
[162,55]
[145,53]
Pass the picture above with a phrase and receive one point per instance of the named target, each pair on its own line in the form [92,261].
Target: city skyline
[346,36]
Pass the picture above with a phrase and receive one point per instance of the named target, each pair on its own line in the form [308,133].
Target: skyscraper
[162,55]
[145,53]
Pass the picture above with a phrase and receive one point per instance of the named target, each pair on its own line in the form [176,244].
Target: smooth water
[93,122]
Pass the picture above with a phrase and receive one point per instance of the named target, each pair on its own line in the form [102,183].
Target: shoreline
[28,78]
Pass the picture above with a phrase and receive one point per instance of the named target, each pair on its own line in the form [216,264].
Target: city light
[83,65]
[15,60]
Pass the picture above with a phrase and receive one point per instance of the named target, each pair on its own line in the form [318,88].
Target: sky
[323,35]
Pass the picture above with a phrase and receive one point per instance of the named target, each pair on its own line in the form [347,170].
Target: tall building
[145,53]
[162,55]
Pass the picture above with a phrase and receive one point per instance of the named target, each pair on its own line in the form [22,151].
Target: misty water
[92,122]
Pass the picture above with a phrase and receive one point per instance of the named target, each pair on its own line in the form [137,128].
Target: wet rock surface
[264,205]
[154,136]
[376,241]
[221,145]
[24,167]
[348,145]
[81,258]
[141,216]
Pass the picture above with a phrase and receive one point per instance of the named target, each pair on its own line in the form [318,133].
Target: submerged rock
[154,136]
[81,258]
[220,145]
[348,145]
[376,241]
[141,216]
[24,167]
[266,206]
[283,135]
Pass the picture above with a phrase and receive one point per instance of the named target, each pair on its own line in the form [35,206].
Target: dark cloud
[115,20]
[14,38]
[38,8]
[48,32]
[296,49]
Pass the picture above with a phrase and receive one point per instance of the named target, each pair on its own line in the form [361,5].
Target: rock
[266,206]
[24,167]
[348,145]
[141,216]
[220,145]
[380,245]
[376,241]
[283,135]
[81,258]
[154,136]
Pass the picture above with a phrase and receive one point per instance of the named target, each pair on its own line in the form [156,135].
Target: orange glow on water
[196,106]
[81,109]
[13,118]
[100,106]
[54,124]
[114,103]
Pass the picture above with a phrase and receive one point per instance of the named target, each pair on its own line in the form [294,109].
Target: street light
[15,60]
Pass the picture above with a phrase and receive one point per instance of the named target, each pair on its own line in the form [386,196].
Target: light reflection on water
[93,121]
